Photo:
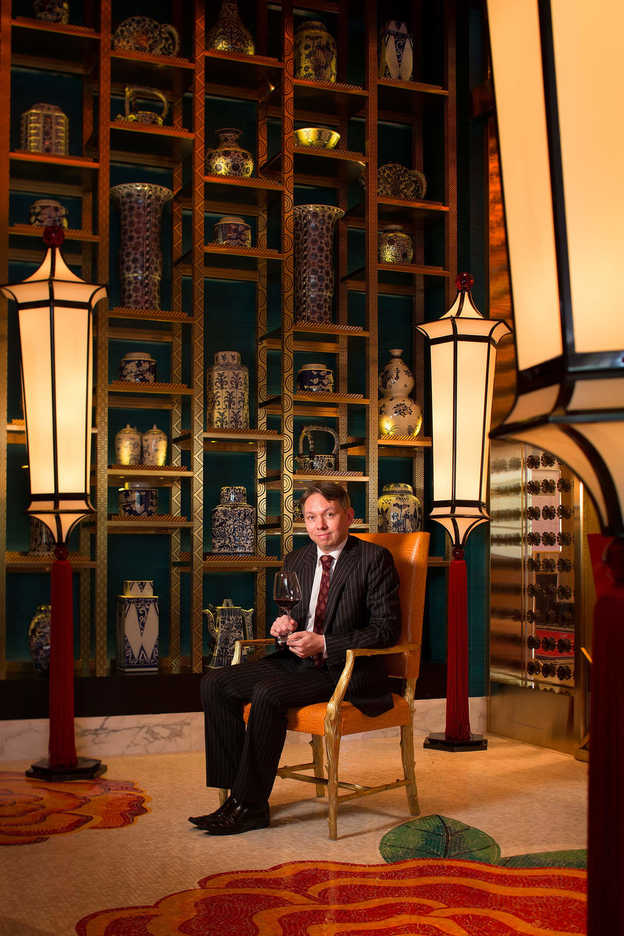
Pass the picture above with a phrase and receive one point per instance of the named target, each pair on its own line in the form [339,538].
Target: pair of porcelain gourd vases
[135,448]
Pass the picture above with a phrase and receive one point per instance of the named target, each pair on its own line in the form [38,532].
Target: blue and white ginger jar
[234,522]
[398,509]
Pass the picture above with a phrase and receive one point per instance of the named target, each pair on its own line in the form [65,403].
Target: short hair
[330,490]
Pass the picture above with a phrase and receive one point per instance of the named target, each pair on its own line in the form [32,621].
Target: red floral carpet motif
[327,898]
[32,810]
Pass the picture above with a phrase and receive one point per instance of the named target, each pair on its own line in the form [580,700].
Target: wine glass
[286,594]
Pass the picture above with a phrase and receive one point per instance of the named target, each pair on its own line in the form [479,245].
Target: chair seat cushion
[311,718]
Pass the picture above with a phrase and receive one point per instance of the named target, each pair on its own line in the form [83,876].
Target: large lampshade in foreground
[557,81]
[462,346]
[56,338]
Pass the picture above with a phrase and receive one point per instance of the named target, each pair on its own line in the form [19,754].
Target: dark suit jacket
[362,611]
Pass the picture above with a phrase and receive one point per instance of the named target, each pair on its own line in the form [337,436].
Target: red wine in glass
[286,594]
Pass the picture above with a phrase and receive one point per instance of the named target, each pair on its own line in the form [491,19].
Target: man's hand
[282,627]
[306,644]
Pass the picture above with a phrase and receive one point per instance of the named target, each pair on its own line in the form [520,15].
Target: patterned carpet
[33,810]
[323,898]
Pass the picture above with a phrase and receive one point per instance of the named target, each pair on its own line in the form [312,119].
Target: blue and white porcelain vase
[398,509]
[138,367]
[154,447]
[128,446]
[314,261]
[39,638]
[399,415]
[234,522]
[136,499]
[227,388]
[137,634]
[396,52]
[226,624]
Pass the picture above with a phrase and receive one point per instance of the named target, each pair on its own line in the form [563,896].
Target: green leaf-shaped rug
[438,837]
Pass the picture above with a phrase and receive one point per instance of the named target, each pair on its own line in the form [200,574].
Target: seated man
[350,598]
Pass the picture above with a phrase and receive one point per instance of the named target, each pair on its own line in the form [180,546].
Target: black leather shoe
[240,818]
[224,809]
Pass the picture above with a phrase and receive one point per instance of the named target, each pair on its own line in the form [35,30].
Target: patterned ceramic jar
[394,245]
[39,638]
[52,11]
[396,52]
[315,461]
[398,509]
[398,413]
[234,523]
[138,367]
[314,261]
[315,52]
[140,257]
[142,588]
[44,128]
[226,624]
[227,391]
[137,500]
[128,446]
[137,634]
[228,33]
[47,212]
[144,34]
[315,378]
[229,159]
[232,231]
[40,539]
[154,447]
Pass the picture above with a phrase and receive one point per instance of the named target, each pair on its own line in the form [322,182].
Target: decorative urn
[234,522]
[398,509]
[399,414]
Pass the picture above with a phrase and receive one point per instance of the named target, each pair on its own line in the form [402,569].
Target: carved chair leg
[332,747]
[223,795]
[317,754]
[407,755]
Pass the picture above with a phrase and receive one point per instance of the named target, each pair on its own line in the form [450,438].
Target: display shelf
[325,98]
[53,46]
[220,562]
[169,74]
[36,231]
[149,141]
[318,397]
[28,562]
[159,476]
[260,75]
[70,170]
[140,334]
[155,523]
[153,315]
[152,389]
[316,163]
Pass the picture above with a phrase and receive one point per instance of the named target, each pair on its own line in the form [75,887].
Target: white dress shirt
[316,584]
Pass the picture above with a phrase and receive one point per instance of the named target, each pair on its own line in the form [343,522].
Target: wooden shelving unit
[104,150]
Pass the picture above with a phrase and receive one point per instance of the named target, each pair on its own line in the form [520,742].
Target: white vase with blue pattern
[137,634]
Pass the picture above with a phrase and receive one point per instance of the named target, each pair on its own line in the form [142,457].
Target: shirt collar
[335,553]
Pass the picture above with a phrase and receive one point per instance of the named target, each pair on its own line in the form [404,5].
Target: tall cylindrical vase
[140,257]
[314,261]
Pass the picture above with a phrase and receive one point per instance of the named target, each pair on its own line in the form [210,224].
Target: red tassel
[457,715]
[605,859]
[62,745]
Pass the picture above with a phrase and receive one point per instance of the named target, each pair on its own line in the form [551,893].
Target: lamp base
[87,768]
[439,742]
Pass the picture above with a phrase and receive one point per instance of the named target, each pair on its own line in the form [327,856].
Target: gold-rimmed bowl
[322,137]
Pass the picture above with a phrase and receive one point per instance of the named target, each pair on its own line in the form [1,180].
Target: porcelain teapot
[227,623]
[313,461]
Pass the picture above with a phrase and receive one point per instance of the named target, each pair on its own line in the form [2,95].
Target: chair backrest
[410,552]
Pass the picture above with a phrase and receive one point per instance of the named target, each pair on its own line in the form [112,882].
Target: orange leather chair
[331,720]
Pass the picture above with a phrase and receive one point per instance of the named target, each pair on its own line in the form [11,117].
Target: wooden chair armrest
[239,646]
[333,706]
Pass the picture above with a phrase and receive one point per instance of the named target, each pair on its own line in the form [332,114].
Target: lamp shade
[56,336]
[557,75]
[462,346]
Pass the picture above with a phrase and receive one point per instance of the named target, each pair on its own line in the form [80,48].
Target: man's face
[326,521]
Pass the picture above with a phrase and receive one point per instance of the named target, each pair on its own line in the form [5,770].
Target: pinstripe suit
[362,611]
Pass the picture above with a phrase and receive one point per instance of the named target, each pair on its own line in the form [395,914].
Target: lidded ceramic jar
[315,52]
[394,245]
[234,522]
[136,499]
[398,509]
[128,446]
[315,378]
[154,447]
[228,33]
[47,212]
[138,367]
[227,392]
[399,415]
[232,231]
[229,158]
[44,128]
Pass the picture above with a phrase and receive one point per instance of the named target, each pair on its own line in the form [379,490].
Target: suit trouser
[245,759]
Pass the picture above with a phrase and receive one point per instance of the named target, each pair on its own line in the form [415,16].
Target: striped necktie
[321,603]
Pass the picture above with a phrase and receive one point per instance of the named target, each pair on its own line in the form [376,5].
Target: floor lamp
[557,75]
[55,314]
[462,346]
